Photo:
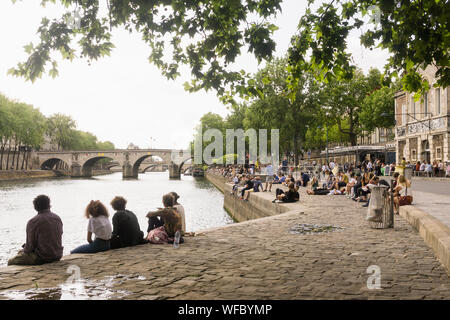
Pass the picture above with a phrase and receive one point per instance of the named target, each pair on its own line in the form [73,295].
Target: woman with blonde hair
[99,225]
[401,196]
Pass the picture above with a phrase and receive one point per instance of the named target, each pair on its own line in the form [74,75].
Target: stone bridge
[81,163]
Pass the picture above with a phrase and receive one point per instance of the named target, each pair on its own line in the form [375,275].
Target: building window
[438,153]
[413,107]
[413,155]
[404,114]
[425,104]
[437,92]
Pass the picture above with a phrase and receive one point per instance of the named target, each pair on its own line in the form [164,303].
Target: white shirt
[269,170]
[101,227]
[180,210]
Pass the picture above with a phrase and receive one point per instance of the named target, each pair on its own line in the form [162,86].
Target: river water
[203,204]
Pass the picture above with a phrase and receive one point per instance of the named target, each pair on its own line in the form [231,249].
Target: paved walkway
[257,259]
[433,197]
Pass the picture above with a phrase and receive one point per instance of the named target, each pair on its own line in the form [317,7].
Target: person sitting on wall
[44,236]
[166,233]
[257,184]
[248,186]
[289,196]
[98,225]
[126,230]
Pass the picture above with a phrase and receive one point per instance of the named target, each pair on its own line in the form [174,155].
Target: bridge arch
[155,165]
[138,163]
[182,164]
[54,164]
[88,166]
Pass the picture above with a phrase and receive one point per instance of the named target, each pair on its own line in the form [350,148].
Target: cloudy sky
[122,98]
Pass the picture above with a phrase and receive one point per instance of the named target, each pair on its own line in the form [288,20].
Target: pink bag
[158,236]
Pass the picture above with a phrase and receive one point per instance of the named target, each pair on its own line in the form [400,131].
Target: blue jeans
[97,246]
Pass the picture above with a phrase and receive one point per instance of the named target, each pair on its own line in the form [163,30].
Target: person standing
[269,177]
[126,230]
[44,236]
[98,225]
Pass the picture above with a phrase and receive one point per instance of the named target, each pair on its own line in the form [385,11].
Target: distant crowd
[44,231]
[356,182]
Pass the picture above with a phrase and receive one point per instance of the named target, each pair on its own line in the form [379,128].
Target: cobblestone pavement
[260,259]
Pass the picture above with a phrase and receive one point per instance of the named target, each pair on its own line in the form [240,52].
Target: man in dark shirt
[44,236]
[248,186]
[126,230]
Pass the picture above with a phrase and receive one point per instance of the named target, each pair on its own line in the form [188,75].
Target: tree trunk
[26,161]
[1,157]
[18,157]
[23,159]
[7,157]
[353,139]
[295,150]
[14,157]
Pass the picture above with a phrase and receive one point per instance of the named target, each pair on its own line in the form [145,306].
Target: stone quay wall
[254,208]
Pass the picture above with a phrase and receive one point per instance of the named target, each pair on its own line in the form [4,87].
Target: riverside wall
[254,208]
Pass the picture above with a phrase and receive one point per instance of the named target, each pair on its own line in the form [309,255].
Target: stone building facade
[422,127]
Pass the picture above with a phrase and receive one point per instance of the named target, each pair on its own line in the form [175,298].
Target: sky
[123,98]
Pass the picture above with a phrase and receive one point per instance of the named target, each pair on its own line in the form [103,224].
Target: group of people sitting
[249,184]
[44,231]
[358,187]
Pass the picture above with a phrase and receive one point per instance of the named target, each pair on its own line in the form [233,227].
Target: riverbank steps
[260,259]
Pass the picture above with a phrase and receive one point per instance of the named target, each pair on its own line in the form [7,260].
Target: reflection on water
[202,201]
[77,290]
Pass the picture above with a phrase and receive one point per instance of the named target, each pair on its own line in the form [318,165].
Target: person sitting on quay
[305,179]
[180,210]
[126,230]
[98,225]
[401,195]
[289,196]
[257,184]
[171,223]
[315,190]
[351,183]
[44,236]
[276,179]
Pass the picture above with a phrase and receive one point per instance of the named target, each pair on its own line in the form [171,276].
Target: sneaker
[365,205]
[274,201]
